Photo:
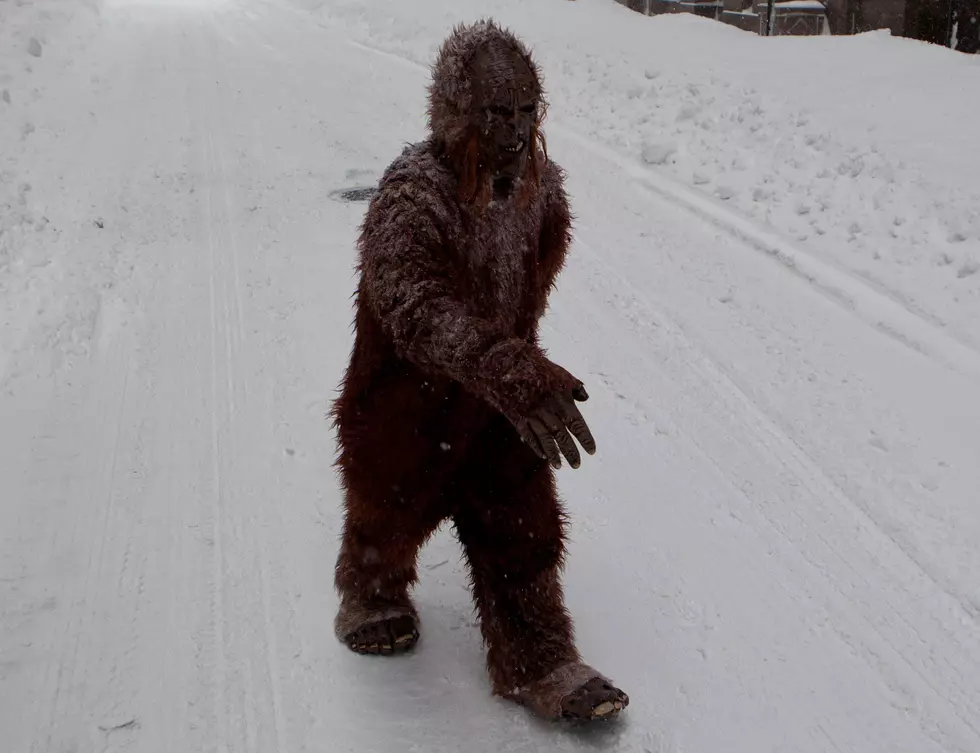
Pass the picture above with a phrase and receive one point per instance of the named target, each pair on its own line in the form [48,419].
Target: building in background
[951,23]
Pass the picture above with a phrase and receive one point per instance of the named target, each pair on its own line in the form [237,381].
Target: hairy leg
[375,568]
[401,436]
[512,527]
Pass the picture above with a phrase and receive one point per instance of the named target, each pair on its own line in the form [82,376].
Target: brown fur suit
[445,364]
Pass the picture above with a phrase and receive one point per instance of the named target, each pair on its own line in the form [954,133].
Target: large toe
[391,636]
[404,633]
[594,700]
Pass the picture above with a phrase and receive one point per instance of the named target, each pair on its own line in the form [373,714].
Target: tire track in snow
[268,639]
[128,578]
[634,301]
[849,575]
[244,700]
[876,307]
[110,591]
[109,400]
[281,570]
[219,400]
[101,669]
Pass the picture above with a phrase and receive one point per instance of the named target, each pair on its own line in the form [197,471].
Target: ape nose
[509,134]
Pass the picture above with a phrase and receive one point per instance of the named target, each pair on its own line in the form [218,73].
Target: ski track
[166,550]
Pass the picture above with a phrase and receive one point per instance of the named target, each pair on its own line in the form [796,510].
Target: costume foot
[378,628]
[597,699]
[390,636]
[573,691]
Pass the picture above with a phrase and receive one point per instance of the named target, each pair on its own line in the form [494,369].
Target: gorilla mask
[504,113]
[485,109]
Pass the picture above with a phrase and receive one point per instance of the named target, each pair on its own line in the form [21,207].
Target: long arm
[408,286]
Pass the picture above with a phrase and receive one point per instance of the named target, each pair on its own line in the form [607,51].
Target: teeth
[515,149]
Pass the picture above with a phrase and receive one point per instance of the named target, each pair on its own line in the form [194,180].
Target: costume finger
[564,440]
[547,442]
[572,416]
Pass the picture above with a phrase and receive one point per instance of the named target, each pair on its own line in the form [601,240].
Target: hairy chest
[498,258]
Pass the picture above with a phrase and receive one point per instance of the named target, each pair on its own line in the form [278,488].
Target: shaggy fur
[445,361]
[355,614]
[451,101]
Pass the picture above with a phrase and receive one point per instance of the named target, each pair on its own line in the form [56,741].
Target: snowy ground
[775,548]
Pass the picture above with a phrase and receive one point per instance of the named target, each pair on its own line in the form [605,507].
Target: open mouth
[519,146]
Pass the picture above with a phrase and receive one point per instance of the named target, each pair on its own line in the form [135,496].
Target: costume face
[505,109]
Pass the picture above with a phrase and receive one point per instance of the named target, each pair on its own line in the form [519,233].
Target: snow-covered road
[775,548]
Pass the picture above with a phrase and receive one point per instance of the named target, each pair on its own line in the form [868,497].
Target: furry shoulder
[553,183]
[417,164]
[415,193]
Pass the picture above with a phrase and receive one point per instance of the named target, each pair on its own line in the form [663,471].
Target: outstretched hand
[550,427]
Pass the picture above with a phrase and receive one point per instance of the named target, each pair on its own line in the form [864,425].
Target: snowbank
[40,41]
[859,149]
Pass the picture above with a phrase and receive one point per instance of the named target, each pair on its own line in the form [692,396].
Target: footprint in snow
[968,269]
[878,443]
[725,192]
[657,154]
[688,112]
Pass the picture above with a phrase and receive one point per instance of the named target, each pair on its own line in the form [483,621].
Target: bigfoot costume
[449,407]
